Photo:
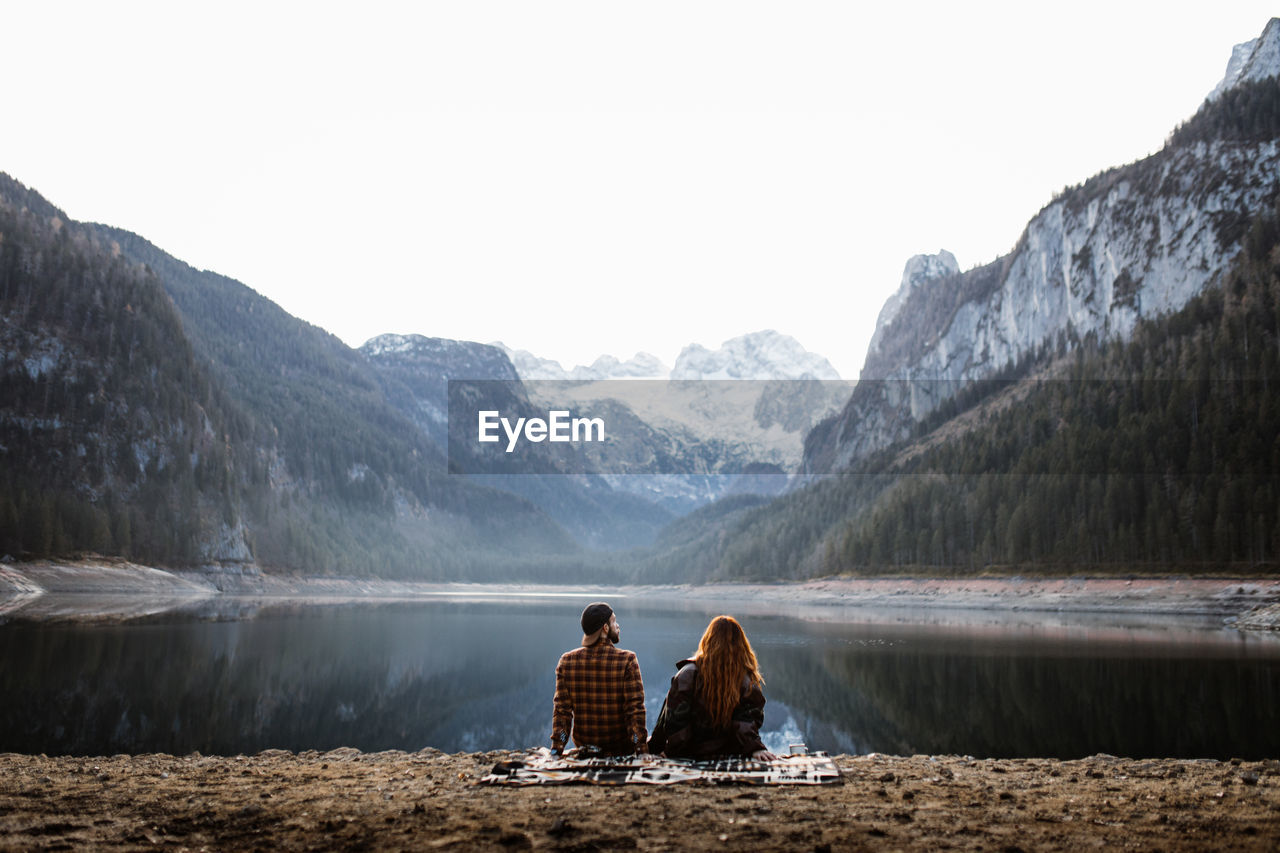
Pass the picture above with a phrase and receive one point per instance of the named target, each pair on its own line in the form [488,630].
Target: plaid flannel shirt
[599,698]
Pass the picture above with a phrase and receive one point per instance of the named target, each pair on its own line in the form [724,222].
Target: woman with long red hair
[715,706]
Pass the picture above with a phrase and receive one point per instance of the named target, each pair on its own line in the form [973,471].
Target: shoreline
[110,589]
[345,799]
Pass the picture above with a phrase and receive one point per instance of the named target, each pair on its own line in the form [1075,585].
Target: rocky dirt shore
[431,801]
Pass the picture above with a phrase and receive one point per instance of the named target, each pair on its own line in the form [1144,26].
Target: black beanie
[595,616]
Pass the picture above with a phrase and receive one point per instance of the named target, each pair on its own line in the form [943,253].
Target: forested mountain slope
[186,410]
[1157,453]
[113,437]
[1160,451]
[1100,399]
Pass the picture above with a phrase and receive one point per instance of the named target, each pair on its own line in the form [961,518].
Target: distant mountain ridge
[673,446]
[415,371]
[640,366]
[765,354]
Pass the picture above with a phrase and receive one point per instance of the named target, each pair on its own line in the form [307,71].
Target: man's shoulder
[572,655]
[619,654]
[606,651]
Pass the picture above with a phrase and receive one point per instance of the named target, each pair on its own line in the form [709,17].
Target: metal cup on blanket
[542,767]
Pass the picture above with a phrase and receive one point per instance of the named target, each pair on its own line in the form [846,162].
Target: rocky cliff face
[1090,262]
[920,271]
[1134,242]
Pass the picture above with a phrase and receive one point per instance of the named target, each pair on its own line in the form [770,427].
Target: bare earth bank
[428,800]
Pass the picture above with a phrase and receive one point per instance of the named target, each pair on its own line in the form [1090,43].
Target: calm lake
[479,675]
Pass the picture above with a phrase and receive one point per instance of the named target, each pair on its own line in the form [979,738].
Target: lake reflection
[459,675]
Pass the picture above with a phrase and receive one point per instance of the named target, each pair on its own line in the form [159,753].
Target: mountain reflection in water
[474,676]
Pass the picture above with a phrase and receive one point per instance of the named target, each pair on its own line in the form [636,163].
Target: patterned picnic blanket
[541,767]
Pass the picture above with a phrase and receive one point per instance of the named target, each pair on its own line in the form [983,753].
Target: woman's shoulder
[686,672]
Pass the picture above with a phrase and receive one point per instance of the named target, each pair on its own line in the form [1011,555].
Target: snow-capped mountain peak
[640,366]
[759,355]
[446,357]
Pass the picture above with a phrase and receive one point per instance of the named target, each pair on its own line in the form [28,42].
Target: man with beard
[599,692]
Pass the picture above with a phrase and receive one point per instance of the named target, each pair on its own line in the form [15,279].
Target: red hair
[724,657]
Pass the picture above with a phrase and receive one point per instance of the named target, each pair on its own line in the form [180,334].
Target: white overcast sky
[578,178]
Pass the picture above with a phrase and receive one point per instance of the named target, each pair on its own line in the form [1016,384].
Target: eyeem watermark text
[558,426]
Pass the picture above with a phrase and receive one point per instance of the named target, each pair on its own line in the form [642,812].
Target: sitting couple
[714,708]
